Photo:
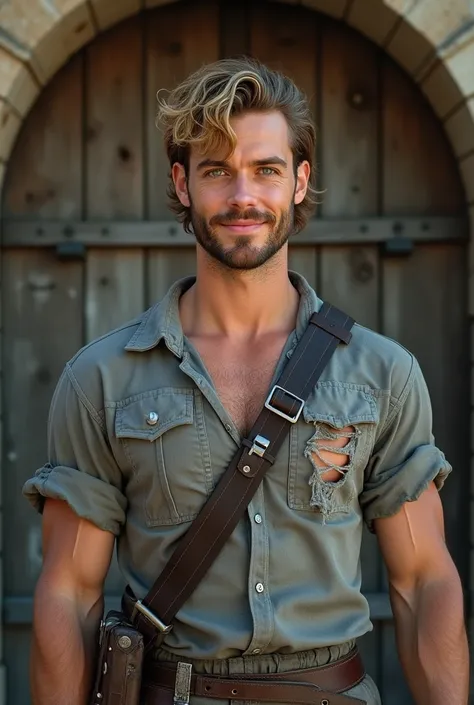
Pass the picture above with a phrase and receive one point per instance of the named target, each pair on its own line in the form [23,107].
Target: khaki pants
[366,691]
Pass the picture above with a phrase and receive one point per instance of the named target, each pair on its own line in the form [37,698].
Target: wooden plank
[420,174]
[399,232]
[179,39]
[44,176]
[304,260]
[349,172]
[285,38]
[42,330]
[164,268]
[115,290]
[234,28]
[349,123]
[114,145]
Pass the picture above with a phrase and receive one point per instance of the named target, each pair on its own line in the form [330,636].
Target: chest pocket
[164,438]
[330,447]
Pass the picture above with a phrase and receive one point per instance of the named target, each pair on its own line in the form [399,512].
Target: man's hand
[427,602]
[68,606]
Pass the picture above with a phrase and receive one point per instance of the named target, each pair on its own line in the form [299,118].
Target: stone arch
[432,39]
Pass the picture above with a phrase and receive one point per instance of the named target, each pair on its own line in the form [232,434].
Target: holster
[119,669]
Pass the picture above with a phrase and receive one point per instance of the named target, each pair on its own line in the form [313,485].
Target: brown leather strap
[336,677]
[223,510]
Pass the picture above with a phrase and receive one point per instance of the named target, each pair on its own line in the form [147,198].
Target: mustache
[249,214]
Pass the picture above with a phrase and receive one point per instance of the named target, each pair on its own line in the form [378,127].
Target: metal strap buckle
[287,417]
[162,628]
[259,446]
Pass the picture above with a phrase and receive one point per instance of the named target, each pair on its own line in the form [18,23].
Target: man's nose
[242,195]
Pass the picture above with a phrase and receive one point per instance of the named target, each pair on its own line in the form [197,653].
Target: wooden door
[88,243]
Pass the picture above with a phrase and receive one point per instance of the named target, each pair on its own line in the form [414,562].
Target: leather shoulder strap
[217,519]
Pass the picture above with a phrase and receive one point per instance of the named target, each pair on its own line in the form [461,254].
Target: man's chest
[241,377]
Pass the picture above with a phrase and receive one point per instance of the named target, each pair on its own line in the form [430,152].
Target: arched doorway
[88,241]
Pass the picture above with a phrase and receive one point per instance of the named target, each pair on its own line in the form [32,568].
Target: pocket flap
[340,405]
[150,415]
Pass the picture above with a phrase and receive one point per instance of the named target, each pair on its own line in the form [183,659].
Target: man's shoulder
[99,367]
[382,362]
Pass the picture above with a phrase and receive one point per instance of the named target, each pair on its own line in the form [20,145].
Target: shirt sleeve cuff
[405,483]
[89,497]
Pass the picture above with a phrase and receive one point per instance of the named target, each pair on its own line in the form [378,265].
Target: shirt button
[228,427]
[152,418]
[259,587]
[258,518]
[256,651]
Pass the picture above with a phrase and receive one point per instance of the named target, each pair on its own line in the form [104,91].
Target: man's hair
[198,112]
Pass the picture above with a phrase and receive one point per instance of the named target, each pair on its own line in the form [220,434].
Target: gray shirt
[138,438]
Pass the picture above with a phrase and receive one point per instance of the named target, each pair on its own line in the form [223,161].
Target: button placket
[259,597]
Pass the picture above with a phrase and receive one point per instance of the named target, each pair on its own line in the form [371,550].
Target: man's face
[242,205]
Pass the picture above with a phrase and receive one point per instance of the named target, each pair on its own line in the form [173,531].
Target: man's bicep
[412,541]
[77,554]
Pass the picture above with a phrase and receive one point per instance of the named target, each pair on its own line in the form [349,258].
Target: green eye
[267,171]
[215,173]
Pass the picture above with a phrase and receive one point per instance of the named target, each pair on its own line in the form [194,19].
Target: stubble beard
[243,255]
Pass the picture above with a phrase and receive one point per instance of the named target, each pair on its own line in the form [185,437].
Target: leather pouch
[119,669]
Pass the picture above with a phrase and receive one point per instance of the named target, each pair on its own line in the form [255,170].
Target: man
[145,420]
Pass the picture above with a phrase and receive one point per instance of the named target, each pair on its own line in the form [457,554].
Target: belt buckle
[287,417]
[182,684]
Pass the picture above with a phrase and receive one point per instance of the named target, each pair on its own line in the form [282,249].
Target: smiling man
[145,421]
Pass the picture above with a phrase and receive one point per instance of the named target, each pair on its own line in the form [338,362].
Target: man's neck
[240,305]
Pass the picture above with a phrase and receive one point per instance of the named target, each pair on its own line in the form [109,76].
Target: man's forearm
[432,641]
[63,649]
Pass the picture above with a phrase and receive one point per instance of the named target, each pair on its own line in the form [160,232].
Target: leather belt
[315,686]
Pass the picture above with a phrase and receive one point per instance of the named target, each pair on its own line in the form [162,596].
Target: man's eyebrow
[205,163]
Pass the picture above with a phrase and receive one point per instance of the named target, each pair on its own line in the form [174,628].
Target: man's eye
[214,173]
[267,171]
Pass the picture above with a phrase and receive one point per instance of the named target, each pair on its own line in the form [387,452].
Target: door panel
[90,149]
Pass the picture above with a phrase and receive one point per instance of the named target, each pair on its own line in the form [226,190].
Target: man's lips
[243,225]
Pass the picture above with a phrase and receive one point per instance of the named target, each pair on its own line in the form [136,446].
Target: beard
[243,255]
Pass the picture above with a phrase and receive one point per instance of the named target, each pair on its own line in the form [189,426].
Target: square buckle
[287,417]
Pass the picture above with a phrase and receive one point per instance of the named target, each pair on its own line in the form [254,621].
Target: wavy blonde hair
[198,112]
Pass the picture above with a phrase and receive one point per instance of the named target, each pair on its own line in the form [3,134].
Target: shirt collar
[162,321]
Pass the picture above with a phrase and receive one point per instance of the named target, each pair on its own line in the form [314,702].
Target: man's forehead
[259,136]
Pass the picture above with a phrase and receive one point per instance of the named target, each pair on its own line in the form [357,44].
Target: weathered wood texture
[90,149]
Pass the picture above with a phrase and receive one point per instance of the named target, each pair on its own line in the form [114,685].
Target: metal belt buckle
[140,607]
[287,417]
[182,684]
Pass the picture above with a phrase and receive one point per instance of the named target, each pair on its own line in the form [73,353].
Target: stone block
[441,90]
[335,8]
[10,124]
[441,21]
[467,170]
[459,62]
[460,129]
[409,48]
[372,18]
[17,84]
[67,36]
[109,13]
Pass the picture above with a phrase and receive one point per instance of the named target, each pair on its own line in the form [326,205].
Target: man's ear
[178,173]
[302,178]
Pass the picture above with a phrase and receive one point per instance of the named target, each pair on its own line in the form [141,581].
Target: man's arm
[427,601]
[68,606]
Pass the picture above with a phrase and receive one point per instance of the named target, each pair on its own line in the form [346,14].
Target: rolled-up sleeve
[81,469]
[405,458]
